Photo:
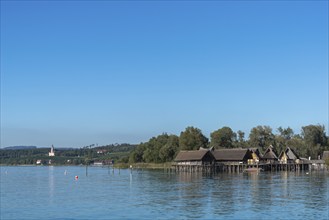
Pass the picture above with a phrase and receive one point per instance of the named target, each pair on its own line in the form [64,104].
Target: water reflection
[255,191]
[130,179]
[317,192]
[284,185]
[154,194]
[51,183]
[272,193]
[222,201]
[191,194]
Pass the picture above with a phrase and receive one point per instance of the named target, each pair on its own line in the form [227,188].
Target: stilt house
[196,157]
[235,155]
[256,156]
[270,155]
[288,156]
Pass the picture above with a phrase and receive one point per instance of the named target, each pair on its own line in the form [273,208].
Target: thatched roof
[237,154]
[291,154]
[195,155]
[269,153]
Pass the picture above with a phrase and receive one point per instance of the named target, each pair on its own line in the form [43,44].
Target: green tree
[315,139]
[240,140]
[281,140]
[286,133]
[148,155]
[223,137]
[314,135]
[136,156]
[170,149]
[192,139]
[261,137]
[240,136]
[158,149]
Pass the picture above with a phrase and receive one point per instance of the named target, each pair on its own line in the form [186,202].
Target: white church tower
[52,152]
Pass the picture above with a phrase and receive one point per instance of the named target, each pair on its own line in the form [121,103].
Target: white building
[52,152]
[98,163]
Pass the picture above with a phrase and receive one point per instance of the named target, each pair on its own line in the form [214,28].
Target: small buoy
[307,173]
[131,166]
[76,177]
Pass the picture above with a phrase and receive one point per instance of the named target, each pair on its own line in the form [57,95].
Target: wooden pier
[241,167]
[242,159]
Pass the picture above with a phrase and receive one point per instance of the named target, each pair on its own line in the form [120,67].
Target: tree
[315,139]
[261,137]
[154,146]
[136,155]
[169,150]
[240,136]
[240,141]
[314,134]
[192,139]
[223,137]
[158,149]
[281,140]
[286,133]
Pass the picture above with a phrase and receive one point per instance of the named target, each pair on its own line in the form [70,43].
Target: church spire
[52,152]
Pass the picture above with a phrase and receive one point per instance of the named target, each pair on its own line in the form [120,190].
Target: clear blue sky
[83,72]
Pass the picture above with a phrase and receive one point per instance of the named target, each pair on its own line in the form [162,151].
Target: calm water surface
[42,192]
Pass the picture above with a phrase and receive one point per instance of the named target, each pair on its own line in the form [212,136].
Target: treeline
[312,141]
[67,156]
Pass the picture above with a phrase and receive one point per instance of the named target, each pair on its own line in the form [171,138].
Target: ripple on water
[46,193]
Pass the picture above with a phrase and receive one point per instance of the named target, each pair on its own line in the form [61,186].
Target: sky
[76,73]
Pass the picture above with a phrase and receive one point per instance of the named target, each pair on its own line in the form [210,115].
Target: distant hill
[65,148]
[20,148]
[22,155]
[117,147]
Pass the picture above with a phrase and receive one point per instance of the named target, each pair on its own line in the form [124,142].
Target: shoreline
[116,165]
[150,166]
[166,165]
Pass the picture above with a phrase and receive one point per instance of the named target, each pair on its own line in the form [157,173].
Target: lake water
[42,192]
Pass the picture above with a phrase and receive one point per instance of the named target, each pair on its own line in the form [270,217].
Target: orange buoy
[76,177]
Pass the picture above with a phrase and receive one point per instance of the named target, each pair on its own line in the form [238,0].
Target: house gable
[270,154]
[288,154]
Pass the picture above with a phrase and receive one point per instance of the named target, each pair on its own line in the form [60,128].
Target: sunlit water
[48,193]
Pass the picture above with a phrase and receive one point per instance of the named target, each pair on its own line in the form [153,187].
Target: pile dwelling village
[244,160]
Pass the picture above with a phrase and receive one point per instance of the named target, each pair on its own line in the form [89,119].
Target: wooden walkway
[240,167]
